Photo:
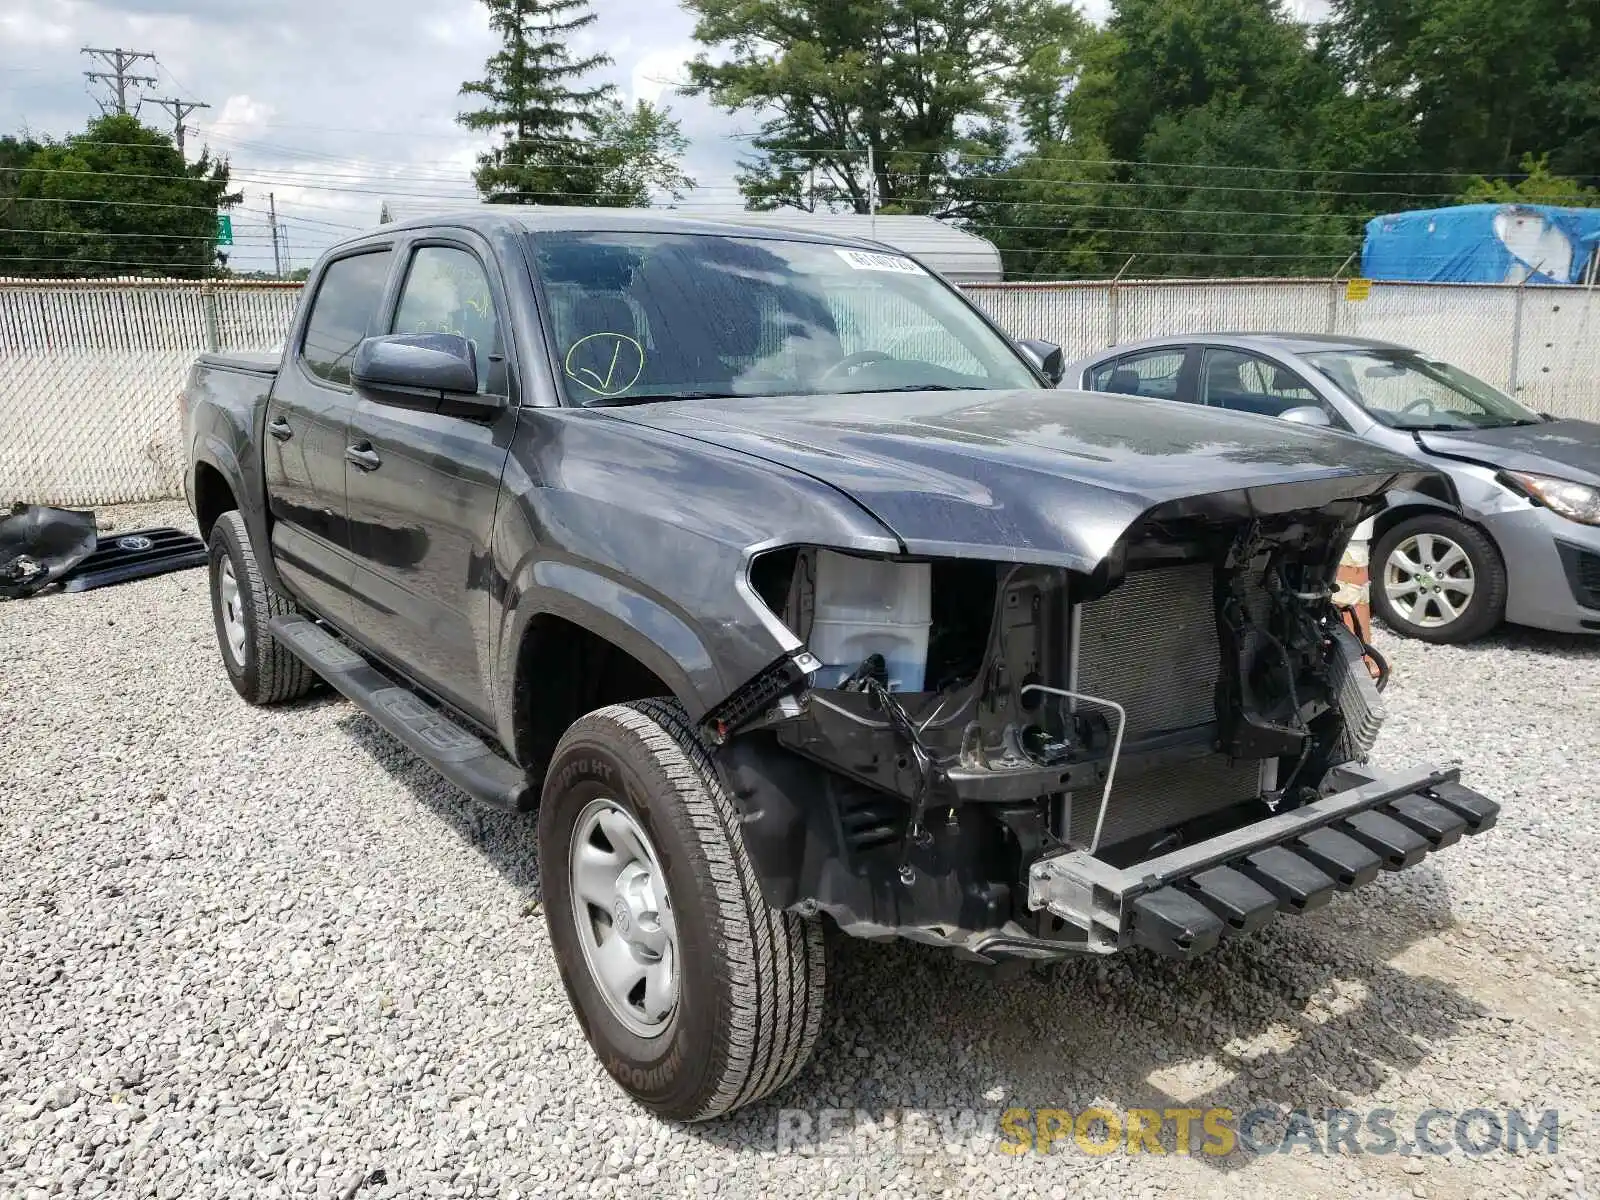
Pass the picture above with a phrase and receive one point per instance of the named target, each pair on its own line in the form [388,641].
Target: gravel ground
[266,952]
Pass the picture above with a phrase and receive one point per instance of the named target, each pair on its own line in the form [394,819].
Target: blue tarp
[1459,245]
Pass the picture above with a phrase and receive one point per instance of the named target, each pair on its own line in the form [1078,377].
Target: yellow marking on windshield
[626,359]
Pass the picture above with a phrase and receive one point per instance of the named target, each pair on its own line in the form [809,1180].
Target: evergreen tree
[565,141]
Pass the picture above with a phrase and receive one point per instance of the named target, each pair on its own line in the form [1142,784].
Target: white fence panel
[90,370]
[89,380]
[1558,359]
[1468,325]
[1075,316]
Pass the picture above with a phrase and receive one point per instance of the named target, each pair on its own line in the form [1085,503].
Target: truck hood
[1565,448]
[1050,477]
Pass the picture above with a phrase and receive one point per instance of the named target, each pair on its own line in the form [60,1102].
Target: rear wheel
[697,997]
[242,604]
[1439,579]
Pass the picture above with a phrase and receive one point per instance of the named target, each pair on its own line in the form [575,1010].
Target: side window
[447,291]
[1247,382]
[1154,373]
[343,313]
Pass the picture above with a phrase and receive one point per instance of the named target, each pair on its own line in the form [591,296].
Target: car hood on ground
[1565,448]
[1035,476]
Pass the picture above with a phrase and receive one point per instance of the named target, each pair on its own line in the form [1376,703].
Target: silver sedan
[1516,537]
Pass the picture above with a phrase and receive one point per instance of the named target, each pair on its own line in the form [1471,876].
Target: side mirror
[1306,414]
[425,367]
[1047,357]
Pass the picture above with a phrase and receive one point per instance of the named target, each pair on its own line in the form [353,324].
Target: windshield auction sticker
[867,260]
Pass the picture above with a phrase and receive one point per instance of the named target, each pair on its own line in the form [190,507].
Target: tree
[564,141]
[639,153]
[923,83]
[117,199]
[1195,138]
[1538,185]
[1483,82]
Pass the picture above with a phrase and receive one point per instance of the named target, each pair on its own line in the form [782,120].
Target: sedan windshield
[668,316]
[1403,390]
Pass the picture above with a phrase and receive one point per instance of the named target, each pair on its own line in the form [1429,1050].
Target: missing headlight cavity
[928,619]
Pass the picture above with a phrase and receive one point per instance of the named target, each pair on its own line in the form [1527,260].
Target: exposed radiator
[1151,645]
[1166,796]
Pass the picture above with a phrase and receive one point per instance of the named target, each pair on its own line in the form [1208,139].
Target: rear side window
[1154,373]
[344,312]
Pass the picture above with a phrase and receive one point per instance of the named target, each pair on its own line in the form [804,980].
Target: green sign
[224,229]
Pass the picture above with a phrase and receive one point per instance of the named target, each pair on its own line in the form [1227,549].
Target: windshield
[1403,390]
[670,316]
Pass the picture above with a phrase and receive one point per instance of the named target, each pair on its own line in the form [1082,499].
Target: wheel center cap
[623,916]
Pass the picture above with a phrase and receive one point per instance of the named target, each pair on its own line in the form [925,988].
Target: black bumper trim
[1180,904]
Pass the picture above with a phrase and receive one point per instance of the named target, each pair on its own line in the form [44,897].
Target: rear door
[423,484]
[303,443]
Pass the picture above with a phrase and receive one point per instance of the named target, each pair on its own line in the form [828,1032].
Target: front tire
[697,996]
[1438,579]
[242,604]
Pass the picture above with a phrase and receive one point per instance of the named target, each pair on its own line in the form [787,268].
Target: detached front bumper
[1181,904]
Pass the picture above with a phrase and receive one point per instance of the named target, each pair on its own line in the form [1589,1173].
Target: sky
[331,105]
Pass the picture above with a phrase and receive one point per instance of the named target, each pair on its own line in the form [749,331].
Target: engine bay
[962,719]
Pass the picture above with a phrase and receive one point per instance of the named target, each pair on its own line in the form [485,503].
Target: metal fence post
[208,303]
[1333,294]
[1516,338]
[1114,308]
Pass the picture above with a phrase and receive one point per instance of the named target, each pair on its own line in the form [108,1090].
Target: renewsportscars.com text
[847,1132]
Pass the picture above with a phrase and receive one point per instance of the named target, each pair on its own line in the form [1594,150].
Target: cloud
[242,113]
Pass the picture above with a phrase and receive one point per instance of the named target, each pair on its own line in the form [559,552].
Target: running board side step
[461,757]
[1184,902]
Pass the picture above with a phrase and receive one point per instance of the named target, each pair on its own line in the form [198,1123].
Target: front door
[303,442]
[422,485]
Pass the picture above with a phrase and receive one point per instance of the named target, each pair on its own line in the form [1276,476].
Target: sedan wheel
[1438,578]
[1429,580]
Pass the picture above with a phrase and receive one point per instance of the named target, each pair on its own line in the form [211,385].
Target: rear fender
[214,452]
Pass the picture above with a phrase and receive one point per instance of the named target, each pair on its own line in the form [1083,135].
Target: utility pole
[179,110]
[872,192]
[272,220]
[120,61]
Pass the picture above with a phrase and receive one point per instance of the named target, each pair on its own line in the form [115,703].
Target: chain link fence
[90,373]
[90,370]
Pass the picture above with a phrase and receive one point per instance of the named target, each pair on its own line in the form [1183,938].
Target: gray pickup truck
[787,591]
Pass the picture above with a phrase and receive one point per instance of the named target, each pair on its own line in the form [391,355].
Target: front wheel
[1438,579]
[697,996]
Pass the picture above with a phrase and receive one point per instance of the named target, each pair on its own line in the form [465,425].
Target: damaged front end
[1022,761]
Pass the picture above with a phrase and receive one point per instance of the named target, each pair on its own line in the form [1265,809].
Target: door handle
[363,456]
[279,428]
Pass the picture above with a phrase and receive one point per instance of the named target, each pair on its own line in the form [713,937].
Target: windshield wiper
[912,387]
[655,397]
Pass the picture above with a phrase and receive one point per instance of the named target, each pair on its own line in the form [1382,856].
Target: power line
[162,237]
